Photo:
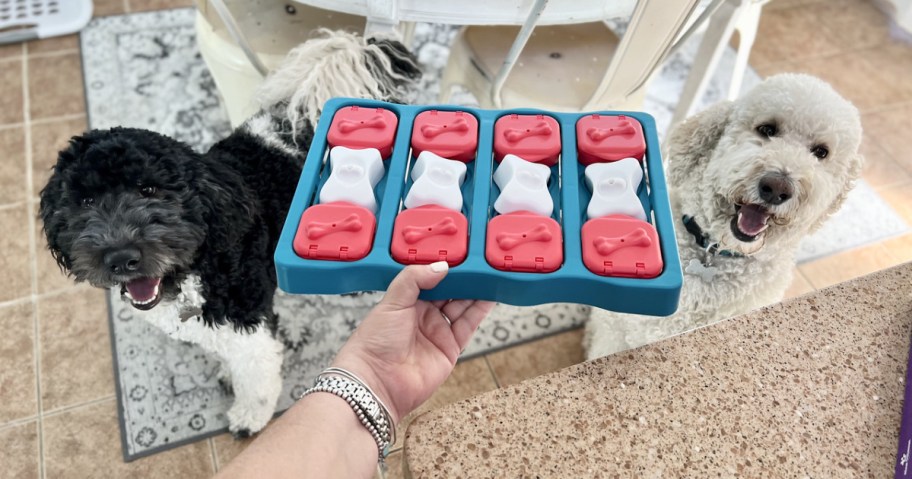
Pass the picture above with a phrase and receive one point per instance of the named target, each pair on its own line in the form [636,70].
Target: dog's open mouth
[143,293]
[749,222]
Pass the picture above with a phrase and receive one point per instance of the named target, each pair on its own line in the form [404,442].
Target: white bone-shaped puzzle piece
[353,176]
[523,187]
[436,182]
[614,186]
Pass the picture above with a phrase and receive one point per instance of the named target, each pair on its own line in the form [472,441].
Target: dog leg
[224,379]
[605,334]
[608,332]
[254,362]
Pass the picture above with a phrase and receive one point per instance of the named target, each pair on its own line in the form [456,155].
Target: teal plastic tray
[475,278]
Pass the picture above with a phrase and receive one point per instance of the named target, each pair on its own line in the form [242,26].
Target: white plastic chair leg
[653,28]
[407,32]
[747,23]
[455,71]
[721,26]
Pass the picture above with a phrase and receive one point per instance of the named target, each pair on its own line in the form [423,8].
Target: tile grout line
[213,454]
[67,117]
[10,126]
[29,186]
[17,301]
[806,279]
[126,5]
[73,407]
[18,422]
[491,370]
[36,345]
[54,53]
[45,295]
[12,206]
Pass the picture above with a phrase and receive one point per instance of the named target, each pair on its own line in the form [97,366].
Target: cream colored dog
[747,180]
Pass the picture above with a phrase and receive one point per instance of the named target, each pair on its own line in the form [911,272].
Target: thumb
[403,291]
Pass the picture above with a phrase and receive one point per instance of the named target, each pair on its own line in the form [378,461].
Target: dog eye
[767,129]
[820,151]
[147,191]
[88,202]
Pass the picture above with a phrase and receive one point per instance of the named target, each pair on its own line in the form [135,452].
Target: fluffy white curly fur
[251,362]
[331,65]
[716,160]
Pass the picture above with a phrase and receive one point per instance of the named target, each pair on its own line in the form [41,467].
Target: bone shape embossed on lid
[541,128]
[523,187]
[459,125]
[614,186]
[353,176]
[348,126]
[599,134]
[436,182]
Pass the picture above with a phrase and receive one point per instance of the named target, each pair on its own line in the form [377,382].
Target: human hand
[405,348]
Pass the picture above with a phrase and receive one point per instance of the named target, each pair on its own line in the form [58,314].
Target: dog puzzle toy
[527,206]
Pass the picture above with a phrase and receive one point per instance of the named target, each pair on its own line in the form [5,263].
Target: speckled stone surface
[811,387]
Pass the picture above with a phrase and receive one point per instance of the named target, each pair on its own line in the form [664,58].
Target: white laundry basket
[23,20]
[271,28]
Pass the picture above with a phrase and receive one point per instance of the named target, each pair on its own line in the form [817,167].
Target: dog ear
[691,143]
[75,149]
[228,212]
[51,208]
[854,172]
[52,220]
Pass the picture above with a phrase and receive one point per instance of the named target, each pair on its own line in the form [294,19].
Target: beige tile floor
[58,416]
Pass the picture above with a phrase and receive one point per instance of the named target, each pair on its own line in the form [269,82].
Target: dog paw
[226,386]
[245,419]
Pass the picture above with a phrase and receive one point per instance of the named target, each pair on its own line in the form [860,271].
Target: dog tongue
[143,289]
[752,219]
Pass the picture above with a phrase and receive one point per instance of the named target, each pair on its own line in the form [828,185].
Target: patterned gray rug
[144,70]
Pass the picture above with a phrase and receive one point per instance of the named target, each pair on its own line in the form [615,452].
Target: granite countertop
[811,387]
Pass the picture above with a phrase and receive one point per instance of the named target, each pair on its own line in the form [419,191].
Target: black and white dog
[188,238]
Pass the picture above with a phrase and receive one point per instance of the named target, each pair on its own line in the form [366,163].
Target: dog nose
[123,260]
[776,189]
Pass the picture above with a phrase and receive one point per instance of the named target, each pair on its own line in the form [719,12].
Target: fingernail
[440,266]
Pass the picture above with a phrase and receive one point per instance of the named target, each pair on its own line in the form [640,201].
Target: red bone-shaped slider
[431,131]
[414,234]
[316,229]
[515,134]
[599,134]
[606,245]
[508,241]
[348,126]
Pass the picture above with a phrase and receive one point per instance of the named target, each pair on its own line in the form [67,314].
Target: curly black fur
[217,215]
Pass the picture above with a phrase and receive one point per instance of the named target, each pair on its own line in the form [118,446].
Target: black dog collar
[702,239]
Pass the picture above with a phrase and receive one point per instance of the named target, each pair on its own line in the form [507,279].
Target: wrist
[341,415]
[337,434]
[363,401]
[372,379]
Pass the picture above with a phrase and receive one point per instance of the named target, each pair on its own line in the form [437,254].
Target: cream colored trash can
[272,28]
